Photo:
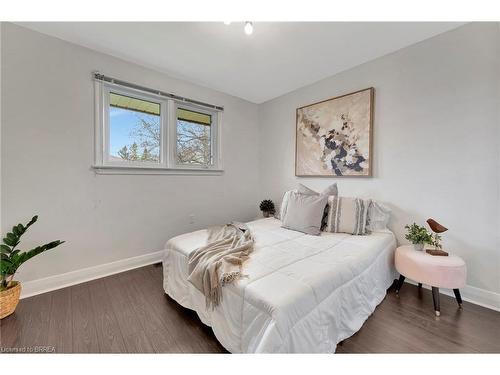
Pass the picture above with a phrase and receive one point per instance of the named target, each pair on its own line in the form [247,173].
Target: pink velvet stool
[437,271]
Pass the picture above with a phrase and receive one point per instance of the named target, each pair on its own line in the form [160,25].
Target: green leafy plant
[267,205]
[417,234]
[436,241]
[12,258]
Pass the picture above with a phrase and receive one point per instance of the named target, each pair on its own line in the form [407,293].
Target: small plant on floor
[11,259]
[267,207]
[418,235]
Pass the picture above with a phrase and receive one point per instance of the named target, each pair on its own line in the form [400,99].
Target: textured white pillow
[347,215]
[378,216]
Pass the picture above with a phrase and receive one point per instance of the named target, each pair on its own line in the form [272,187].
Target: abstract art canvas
[334,137]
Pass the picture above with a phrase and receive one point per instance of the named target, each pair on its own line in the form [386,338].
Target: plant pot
[9,299]
[267,213]
[418,246]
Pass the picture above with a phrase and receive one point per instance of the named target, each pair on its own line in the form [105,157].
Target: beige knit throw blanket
[219,262]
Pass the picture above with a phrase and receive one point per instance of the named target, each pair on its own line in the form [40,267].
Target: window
[141,132]
[134,129]
[193,137]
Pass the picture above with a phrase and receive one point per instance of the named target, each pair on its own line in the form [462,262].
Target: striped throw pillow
[347,215]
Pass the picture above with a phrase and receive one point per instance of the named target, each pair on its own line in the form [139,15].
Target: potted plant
[436,241]
[11,260]
[418,236]
[267,207]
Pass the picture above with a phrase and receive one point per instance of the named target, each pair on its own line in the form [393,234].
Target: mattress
[300,293]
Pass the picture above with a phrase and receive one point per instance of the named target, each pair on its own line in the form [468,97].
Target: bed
[301,293]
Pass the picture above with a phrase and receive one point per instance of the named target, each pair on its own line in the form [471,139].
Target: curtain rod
[101,77]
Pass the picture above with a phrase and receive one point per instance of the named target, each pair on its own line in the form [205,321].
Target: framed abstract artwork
[334,136]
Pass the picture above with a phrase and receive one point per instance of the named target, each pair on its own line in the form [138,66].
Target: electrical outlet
[191,219]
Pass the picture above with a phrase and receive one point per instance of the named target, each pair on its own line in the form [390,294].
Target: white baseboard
[477,296]
[34,287]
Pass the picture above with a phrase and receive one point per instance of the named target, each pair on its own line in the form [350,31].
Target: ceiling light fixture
[248,28]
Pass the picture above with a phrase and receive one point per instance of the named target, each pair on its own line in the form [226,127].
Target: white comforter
[302,293]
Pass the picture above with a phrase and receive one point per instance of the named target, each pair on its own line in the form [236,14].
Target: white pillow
[330,190]
[284,204]
[305,212]
[378,216]
[302,189]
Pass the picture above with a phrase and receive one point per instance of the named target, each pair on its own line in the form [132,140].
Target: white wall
[47,151]
[436,141]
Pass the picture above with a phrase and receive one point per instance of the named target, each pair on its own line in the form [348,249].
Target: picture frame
[334,137]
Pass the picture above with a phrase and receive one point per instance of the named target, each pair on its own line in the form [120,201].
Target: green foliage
[417,234]
[12,258]
[146,156]
[133,152]
[267,205]
[123,153]
[436,241]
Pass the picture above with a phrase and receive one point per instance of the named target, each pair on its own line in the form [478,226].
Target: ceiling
[277,58]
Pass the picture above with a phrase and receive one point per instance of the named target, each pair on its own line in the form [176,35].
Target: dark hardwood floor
[129,313]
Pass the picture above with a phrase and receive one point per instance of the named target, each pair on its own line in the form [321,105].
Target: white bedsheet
[302,293]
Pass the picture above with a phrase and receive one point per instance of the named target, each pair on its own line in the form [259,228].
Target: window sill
[126,170]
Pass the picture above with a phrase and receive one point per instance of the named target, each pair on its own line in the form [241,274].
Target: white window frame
[168,135]
[214,127]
